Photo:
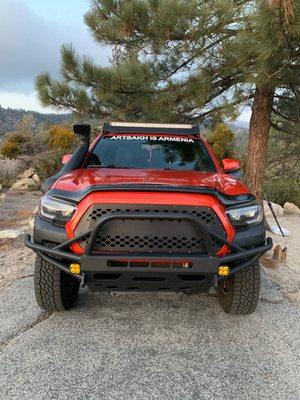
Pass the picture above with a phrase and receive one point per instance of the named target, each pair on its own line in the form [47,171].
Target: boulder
[291,208]
[31,226]
[31,222]
[276,207]
[1,187]
[36,179]
[28,173]
[3,197]
[23,184]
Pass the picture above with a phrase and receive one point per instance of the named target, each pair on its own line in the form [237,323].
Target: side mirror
[66,158]
[232,167]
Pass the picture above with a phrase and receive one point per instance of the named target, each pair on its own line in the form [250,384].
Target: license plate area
[131,281]
[171,263]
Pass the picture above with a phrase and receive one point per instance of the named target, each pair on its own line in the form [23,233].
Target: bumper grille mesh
[208,217]
[150,242]
[160,235]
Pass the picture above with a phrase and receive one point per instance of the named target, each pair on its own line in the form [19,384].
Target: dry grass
[9,170]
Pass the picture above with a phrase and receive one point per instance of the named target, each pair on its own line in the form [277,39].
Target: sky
[31,34]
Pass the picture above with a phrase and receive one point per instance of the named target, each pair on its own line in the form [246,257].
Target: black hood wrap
[77,196]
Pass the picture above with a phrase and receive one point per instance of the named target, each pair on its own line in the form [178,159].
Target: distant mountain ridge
[237,126]
[9,118]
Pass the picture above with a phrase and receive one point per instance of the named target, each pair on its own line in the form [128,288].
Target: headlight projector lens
[251,215]
[55,209]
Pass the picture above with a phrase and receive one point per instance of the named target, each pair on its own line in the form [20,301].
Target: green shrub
[13,145]
[6,179]
[281,190]
[9,170]
[60,138]
[47,163]
[222,141]
[10,150]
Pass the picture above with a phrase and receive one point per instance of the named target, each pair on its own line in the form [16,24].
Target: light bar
[146,125]
[143,128]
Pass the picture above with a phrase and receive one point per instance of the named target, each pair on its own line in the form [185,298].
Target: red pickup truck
[147,207]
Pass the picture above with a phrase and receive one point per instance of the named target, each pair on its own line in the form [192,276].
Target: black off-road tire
[239,294]
[54,289]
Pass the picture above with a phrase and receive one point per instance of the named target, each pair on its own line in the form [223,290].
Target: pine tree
[276,25]
[168,62]
[185,61]
[284,146]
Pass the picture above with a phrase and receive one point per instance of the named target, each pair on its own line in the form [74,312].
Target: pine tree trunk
[260,123]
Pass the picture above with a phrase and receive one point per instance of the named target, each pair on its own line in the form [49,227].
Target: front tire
[54,289]
[239,294]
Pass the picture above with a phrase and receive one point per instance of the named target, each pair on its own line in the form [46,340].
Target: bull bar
[200,263]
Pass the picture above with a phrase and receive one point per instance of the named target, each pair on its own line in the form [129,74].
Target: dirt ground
[287,275]
[16,209]
[15,258]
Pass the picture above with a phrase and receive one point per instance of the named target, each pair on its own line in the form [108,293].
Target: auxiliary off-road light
[224,270]
[75,269]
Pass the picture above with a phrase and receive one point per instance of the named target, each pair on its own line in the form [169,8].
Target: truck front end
[151,210]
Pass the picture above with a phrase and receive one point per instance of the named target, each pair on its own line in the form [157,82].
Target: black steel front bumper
[169,271]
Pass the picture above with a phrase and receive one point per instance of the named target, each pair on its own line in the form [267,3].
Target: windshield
[151,152]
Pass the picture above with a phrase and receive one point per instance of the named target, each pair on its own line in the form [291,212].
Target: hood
[81,179]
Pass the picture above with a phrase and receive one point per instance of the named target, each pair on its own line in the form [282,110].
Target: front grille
[159,235]
[205,214]
[149,242]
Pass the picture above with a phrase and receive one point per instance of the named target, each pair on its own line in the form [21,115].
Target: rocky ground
[15,211]
[150,346]
[287,275]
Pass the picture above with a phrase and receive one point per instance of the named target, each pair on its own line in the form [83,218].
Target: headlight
[55,209]
[251,215]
